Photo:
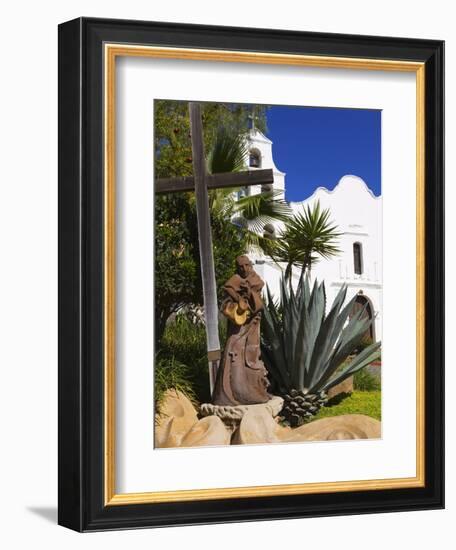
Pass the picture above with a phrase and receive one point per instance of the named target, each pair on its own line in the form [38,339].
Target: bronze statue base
[232,415]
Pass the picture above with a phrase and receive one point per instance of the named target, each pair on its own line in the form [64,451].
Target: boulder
[177,415]
[257,426]
[347,426]
[162,431]
[210,430]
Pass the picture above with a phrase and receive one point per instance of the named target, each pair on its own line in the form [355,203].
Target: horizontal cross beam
[216,181]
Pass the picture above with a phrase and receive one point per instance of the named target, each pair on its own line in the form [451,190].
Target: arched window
[358,258]
[254,158]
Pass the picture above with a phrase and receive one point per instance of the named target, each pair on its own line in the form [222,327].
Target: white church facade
[358,214]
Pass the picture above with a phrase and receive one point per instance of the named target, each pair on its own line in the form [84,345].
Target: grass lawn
[358,402]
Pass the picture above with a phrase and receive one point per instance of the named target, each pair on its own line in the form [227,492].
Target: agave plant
[308,352]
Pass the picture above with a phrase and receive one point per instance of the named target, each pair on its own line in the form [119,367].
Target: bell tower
[260,157]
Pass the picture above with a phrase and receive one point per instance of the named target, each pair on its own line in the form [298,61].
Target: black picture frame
[81,322]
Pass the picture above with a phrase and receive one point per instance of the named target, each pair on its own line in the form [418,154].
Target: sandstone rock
[207,431]
[162,431]
[257,426]
[344,387]
[177,416]
[283,432]
[347,426]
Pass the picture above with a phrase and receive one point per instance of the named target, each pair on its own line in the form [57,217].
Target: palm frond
[252,212]
[269,205]
[222,201]
[228,153]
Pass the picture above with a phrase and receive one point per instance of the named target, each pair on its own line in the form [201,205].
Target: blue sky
[317,146]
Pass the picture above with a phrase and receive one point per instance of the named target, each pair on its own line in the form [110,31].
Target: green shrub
[182,362]
[183,338]
[170,373]
[365,381]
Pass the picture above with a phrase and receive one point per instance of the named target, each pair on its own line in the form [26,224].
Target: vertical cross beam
[205,242]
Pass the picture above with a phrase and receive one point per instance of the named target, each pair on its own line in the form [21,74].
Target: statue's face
[244,267]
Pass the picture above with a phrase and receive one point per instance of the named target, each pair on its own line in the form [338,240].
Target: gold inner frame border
[111,52]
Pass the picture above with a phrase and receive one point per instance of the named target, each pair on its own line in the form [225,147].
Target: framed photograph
[251,267]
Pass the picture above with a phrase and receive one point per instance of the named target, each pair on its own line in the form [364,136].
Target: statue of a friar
[242,376]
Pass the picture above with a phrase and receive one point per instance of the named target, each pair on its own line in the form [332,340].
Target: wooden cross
[200,183]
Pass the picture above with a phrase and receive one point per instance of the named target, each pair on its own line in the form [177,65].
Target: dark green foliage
[303,348]
[173,149]
[175,263]
[177,260]
[181,362]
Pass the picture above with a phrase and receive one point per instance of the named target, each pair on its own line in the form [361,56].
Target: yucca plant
[304,349]
[307,236]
